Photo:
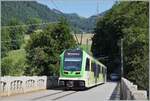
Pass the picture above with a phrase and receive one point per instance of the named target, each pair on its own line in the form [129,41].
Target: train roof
[91,57]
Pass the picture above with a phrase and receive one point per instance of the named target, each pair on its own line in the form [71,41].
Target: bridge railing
[129,91]
[12,85]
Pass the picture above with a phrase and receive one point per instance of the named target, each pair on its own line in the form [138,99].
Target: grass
[20,54]
[26,38]
[17,55]
[14,63]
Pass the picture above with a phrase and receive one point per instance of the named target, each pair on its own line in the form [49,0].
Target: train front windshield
[73,60]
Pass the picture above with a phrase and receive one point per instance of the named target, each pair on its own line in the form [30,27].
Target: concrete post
[130,91]
[139,95]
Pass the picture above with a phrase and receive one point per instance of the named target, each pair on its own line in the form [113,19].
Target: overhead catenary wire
[97,7]
[58,8]
[76,38]
[97,10]
[61,10]
[54,4]
[73,33]
[81,38]
[26,25]
[11,41]
[23,25]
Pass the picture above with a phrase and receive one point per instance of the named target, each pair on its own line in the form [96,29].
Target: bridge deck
[107,91]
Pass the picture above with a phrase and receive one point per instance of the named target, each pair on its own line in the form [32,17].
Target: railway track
[62,96]
[55,96]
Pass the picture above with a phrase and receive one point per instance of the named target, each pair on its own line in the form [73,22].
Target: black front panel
[72,60]
[73,53]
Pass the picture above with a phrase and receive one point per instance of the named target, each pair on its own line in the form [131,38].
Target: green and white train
[78,69]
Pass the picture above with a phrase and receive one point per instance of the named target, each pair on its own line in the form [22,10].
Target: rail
[129,91]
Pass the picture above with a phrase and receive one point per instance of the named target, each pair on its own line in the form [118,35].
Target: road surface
[108,91]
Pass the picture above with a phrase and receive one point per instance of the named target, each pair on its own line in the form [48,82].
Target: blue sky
[84,8]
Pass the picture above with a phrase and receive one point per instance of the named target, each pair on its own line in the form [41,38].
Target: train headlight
[81,83]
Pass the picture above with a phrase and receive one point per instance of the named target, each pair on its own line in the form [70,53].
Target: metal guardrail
[129,91]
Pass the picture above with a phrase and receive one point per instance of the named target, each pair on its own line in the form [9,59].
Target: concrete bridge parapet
[129,91]
[10,85]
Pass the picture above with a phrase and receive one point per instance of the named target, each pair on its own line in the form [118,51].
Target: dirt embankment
[85,38]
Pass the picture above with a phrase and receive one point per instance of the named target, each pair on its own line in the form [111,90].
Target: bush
[44,48]
[14,64]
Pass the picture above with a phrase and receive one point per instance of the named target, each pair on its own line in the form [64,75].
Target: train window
[95,67]
[87,68]
[100,69]
[97,70]
[72,60]
[92,66]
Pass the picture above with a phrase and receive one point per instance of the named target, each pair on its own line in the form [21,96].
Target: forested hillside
[34,49]
[36,53]
[28,10]
[127,21]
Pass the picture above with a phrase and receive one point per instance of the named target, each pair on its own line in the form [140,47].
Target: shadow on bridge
[116,93]
[72,89]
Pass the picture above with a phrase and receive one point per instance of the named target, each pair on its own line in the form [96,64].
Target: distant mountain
[57,11]
[23,10]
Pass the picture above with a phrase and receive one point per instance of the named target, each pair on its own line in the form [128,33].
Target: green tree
[33,24]
[127,20]
[12,37]
[16,33]
[40,53]
[14,63]
[61,33]
[5,41]
[44,48]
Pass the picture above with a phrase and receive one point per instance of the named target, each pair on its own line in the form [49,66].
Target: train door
[104,74]
[87,69]
[98,72]
[92,75]
[95,72]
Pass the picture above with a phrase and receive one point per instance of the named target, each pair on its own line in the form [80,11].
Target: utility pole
[121,57]
[97,10]
[77,41]
[87,42]
[81,38]
[97,7]
[121,94]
